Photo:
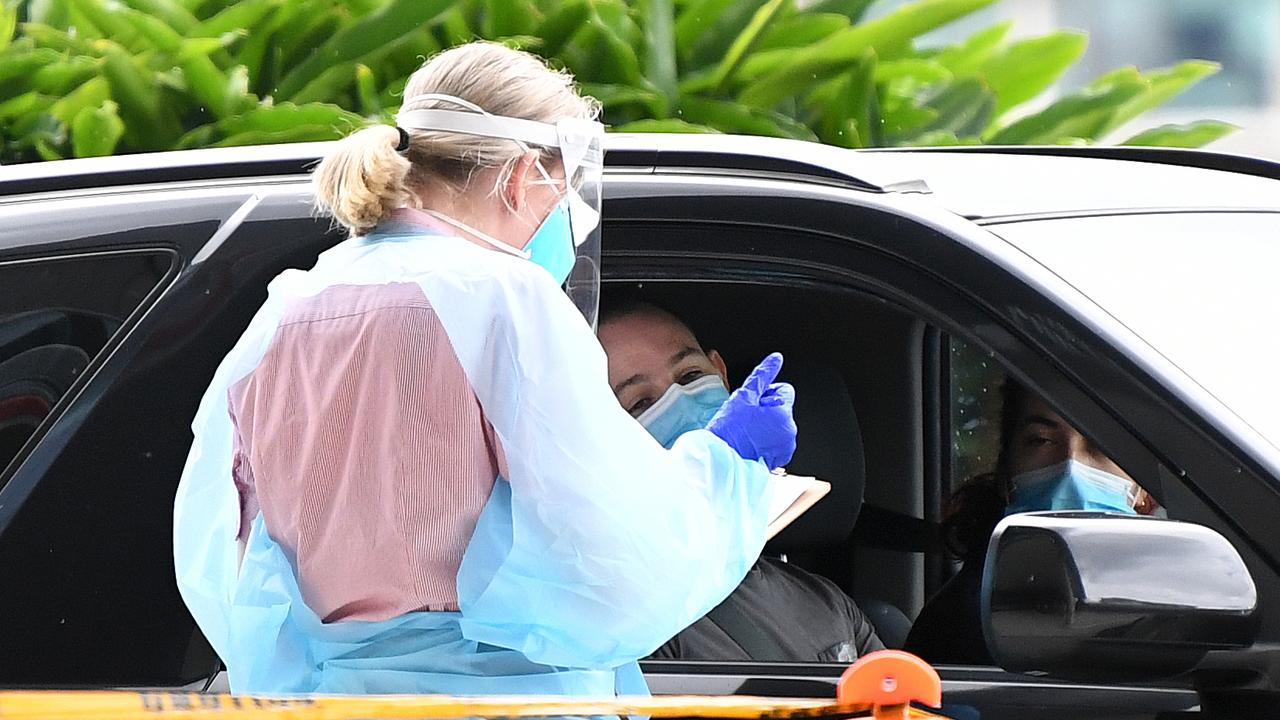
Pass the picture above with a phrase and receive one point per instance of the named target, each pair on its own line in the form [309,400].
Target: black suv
[1131,289]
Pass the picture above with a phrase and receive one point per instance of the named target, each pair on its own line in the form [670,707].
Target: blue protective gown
[599,547]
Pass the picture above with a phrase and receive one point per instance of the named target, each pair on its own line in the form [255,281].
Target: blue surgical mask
[1071,485]
[551,245]
[683,408]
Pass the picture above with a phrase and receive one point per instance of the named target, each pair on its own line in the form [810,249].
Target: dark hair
[1013,403]
[615,307]
[627,305]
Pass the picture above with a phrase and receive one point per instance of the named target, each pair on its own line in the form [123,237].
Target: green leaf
[1191,135]
[669,125]
[26,104]
[560,26]
[752,33]
[290,134]
[1029,67]
[963,107]
[47,148]
[16,72]
[971,55]
[63,77]
[149,125]
[367,91]
[904,122]
[890,35]
[918,72]
[369,34]
[91,94]
[765,62]
[616,15]
[802,30]
[287,123]
[95,132]
[243,14]
[159,35]
[659,56]
[212,87]
[851,116]
[170,12]
[734,117]
[613,95]
[49,12]
[331,82]
[720,25]
[1083,114]
[200,136]
[851,9]
[51,38]
[508,18]
[694,19]
[1162,86]
[609,58]
[111,22]
[8,23]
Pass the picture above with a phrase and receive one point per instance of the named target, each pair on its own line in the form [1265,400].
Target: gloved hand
[756,420]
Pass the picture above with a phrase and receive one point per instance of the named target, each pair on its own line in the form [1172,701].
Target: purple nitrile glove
[756,420]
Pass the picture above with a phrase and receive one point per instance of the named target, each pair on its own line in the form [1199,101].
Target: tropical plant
[95,77]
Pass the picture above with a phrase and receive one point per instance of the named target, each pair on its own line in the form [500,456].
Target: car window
[1199,288]
[56,316]
[974,407]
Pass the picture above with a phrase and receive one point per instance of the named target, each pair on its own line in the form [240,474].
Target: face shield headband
[579,143]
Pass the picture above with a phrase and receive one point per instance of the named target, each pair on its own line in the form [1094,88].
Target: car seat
[829,447]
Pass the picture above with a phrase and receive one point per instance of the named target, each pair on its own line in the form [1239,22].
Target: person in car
[414,444]
[665,379]
[1044,463]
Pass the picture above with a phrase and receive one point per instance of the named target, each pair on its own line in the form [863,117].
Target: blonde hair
[364,177]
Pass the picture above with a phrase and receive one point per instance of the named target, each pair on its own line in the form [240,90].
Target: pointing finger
[763,376]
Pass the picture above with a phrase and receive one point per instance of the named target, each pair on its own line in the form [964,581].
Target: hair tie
[403,147]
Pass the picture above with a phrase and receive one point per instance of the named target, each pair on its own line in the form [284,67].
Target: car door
[150,284]
[960,282]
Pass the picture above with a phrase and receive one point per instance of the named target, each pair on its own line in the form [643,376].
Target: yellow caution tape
[118,705]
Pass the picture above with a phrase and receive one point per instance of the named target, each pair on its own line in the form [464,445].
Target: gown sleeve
[600,545]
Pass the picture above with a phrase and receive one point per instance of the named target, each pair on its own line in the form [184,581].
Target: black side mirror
[1100,595]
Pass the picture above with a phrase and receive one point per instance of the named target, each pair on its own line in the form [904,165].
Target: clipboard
[792,496]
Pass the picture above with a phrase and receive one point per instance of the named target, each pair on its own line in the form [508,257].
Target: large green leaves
[353,43]
[1025,69]
[890,36]
[90,77]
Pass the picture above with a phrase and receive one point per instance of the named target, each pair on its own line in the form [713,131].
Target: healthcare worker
[410,473]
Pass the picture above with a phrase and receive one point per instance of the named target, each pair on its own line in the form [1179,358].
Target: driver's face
[1042,438]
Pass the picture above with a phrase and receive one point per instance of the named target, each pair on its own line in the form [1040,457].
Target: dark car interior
[855,410]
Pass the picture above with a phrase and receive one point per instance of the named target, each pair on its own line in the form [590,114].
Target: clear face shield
[579,145]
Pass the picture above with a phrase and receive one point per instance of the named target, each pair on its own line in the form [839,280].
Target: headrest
[828,447]
[31,383]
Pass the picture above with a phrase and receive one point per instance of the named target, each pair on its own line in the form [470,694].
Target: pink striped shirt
[361,441]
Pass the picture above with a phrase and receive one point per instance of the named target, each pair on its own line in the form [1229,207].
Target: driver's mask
[683,408]
[1072,485]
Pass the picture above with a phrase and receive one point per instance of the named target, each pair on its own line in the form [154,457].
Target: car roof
[983,182]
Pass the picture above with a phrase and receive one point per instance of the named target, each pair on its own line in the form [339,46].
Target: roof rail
[652,151]
[160,167]
[1203,159]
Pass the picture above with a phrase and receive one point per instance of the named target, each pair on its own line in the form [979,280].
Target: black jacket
[779,613]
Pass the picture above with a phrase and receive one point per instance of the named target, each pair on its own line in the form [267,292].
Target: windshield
[1199,288]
